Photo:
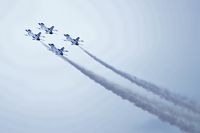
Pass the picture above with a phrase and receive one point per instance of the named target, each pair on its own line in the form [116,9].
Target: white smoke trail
[164,113]
[142,102]
[45,45]
[162,92]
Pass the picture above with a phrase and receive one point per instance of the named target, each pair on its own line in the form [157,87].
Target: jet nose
[51,44]
[40,23]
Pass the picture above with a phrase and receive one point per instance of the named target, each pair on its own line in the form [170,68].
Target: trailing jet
[46,29]
[56,50]
[73,41]
[34,36]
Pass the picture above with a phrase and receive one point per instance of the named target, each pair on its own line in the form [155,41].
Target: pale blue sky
[155,40]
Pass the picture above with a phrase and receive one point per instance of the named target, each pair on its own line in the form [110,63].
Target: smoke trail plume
[44,44]
[152,107]
[162,92]
[142,102]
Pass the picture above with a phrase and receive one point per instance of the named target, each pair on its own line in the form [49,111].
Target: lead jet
[46,29]
[73,41]
[34,36]
[56,50]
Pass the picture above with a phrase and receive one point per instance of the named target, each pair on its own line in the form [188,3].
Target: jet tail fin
[39,34]
[62,49]
[51,28]
[77,39]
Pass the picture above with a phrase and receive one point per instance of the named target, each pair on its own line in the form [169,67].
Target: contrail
[152,107]
[45,45]
[136,99]
[162,92]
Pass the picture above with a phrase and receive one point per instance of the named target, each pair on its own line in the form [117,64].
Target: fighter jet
[46,29]
[56,50]
[73,41]
[34,36]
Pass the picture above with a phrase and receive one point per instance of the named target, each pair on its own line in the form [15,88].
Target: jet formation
[51,31]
